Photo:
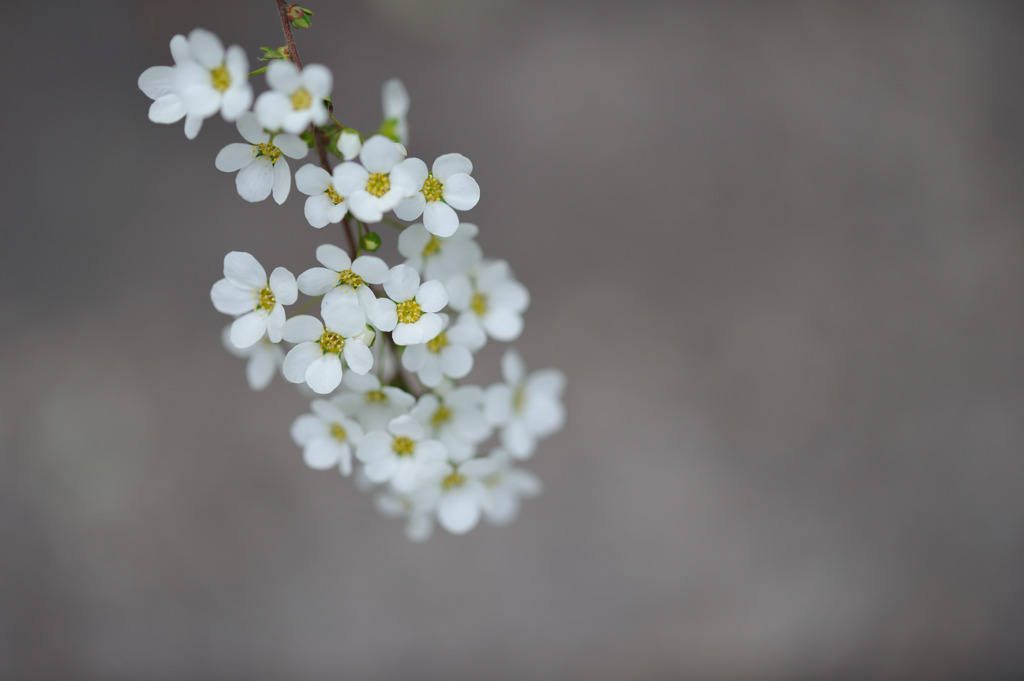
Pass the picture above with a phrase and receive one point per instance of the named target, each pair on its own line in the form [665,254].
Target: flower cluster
[390,346]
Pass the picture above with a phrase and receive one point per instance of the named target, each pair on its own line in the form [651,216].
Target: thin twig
[293,52]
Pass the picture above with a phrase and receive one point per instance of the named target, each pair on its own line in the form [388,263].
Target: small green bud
[299,16]
[274,53]
[369,242]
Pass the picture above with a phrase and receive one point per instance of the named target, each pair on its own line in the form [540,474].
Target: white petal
[317,281]
[318,79]
[440,219]
[513,369]
[312,179]
[251,131]
[321,454]
[402,284]
[248,329]
[458,512]
[380,154]
[349,177]
[406,426]
[324,374]
[255,181]
[503,325]
[410,207]
[233,157]
[244,271]
[346,318]
[282,283]
[333,257]
[230,299]
[372,269]
[262,366]
[291,145]
[447,165]
[456,361]
[365,207]
[167,109]
[461,192]
[207,49]
[282,181]
[432,295]
[302,328]
[358,356]
[283,75]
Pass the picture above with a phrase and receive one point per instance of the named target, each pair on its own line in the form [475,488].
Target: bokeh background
[778,249]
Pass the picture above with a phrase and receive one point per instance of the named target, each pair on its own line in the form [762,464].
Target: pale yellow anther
[221,78]
[349,278]
[376,396]
[479,304]
[267,151]
[301,99]
[438,342]
[453,480]
[432,189]
[265,299]
[333,195]
[338,432]
[403,446]
[432,247]
[331,342]
[442,416]
[378,184]
[409,312]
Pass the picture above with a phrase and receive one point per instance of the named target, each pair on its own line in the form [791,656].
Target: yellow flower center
[403,446]
[349,278]
[265,299]
[266,150]
[432,247]
[332,342]
[479,304]
[518,399]
[378,184]
[432,189]
[338,432]
[453,480]
[438,343]
[333,196]
[409,312]
[221,78]
[442,416]
[301,99]
[376,396]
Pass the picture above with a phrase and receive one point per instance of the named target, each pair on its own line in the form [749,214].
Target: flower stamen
[266,150]
[333,195]
[479,304]
[442,416]
[349,278]
[221,78]
[378,184]
[454,480]
[332,342]
[432,189]
[265,299]
[432,247]
[338,432]
[438,343]
[409,312]
[403,446]
[301,99]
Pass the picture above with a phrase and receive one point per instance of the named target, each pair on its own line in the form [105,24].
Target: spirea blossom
[388,348]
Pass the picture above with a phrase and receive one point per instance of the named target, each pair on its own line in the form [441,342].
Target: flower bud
[298,16]
[349,144]
[369,242]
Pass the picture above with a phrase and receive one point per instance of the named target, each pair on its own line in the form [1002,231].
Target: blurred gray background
[777,248]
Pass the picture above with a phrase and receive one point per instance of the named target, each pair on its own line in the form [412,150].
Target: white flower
[492,298]
[246,291]
[265,358]
[461,494]
[204,80]
[438,193]
[440,258]
[371,403]
[316,360]
[403,455]
[411,311]
[394,100]
[342,279]
[456,419]
[450,353]
[327,437]
[297,97]
[324,204]
[261,164]
[376,186]
[506,486]
[525,407]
